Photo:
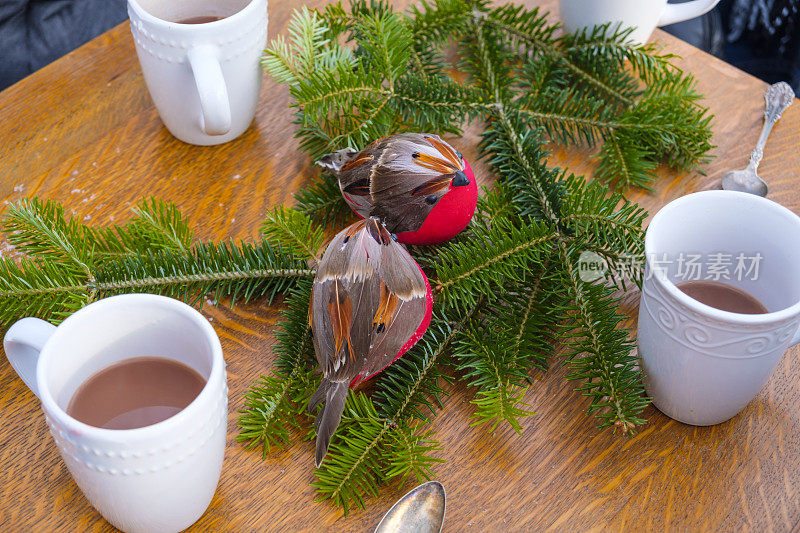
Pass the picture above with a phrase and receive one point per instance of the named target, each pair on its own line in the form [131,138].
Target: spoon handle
[778,97]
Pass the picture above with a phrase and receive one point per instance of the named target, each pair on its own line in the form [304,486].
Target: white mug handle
[688,10]
[23,343]
[215,117]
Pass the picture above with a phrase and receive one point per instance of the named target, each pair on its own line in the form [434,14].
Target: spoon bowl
[421,510]
[745,180]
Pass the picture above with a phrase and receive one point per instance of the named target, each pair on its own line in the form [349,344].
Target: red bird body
[417,184]
[371,302]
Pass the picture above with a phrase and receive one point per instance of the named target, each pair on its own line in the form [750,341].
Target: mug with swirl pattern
[703,365]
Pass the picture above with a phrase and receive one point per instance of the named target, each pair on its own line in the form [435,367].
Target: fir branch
[529,312]
[309,49]
[514,151]
[352,466]
[294,230]
[211,267]
[410,386]
[69,264]
[275,403]
[433,22]
[43,289]
[607,365]
[40,229]
[237,271]
[494,204]
[517,334]
[158,225]
[435,103]
[593,89]
[489,360]
[409,453]
[529,28]
[384,41]
[367,451]
[608,225]
[599,353]
[491,257]
[322,201]
[502,404]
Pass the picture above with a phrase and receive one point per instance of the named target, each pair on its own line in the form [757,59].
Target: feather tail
[335,161]
[317,397]
[328,420]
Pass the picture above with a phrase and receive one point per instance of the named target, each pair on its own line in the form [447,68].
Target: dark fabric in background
[34,33]
[761,37]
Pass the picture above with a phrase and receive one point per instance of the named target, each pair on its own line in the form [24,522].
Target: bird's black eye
[459,154]
[431,199]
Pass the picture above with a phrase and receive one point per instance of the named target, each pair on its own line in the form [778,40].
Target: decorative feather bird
[371,302]
[416,183]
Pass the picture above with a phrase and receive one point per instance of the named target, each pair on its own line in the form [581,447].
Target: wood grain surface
[84,131]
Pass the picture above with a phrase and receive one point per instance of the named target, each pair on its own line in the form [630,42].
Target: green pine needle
[295,231]
[276,403]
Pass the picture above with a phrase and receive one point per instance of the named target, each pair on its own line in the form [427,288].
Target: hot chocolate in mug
[703,365]
[160,477]
[642,15]
[204,77]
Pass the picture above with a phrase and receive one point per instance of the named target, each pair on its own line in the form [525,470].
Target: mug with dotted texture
[204,78]
[155,478]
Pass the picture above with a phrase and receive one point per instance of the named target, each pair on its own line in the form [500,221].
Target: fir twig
[275,403]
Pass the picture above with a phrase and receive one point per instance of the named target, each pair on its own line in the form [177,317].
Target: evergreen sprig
[275,404]
[295,231]
[66,264]
[369,451]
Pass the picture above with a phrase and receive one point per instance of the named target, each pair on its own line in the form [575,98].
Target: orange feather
[447,151]
[433,163]
[386,307]
[341,313]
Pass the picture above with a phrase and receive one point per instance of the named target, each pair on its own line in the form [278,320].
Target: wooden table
[84,131]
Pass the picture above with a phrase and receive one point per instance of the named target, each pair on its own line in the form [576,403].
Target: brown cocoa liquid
[202,19]
[135,393]
[723,296]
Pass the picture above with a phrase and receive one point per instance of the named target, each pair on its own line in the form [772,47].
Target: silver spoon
[778,97]
[421,510]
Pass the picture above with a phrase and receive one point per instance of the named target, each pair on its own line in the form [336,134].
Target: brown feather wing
[409,178]
[354,181]
[355,176]
[400,310]
[342,314]
[344,299]
[402,324]
[401,273]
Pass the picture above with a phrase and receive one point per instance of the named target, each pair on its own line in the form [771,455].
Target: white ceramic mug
[643,15]
[203,78]
[703,365]
[156,478]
